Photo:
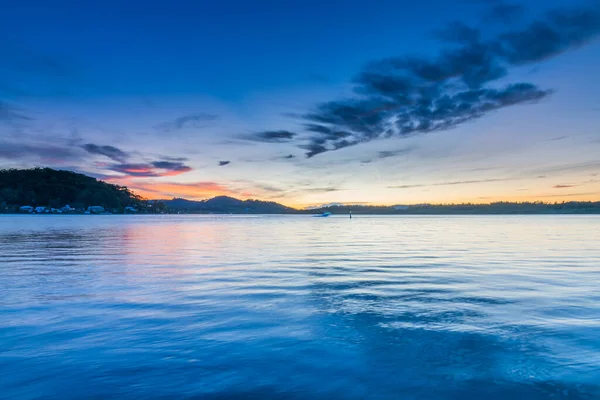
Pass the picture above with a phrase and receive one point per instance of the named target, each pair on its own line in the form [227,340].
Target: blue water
[294,307]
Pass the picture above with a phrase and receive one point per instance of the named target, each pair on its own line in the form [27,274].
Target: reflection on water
[298,307]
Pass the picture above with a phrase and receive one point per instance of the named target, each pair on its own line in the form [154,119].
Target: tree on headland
[56,188]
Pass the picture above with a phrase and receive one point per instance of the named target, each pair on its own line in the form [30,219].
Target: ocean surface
[295,307]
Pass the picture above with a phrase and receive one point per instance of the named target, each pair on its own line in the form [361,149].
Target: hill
[54,188]
[225,204]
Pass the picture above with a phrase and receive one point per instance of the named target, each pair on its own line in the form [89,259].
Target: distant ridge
[504,208]
[226,204]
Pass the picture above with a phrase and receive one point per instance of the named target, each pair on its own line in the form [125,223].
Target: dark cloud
[133,169]
[176,159]
[408,95]
[393,153]
[562,30]
[386,154]
[111,152]
[223,163]
[187,121]
[289,156]
[172,165]
[153,169]
[167,166]
[353,122]
[272,136]
[74,155]
[313,149]
[563,186]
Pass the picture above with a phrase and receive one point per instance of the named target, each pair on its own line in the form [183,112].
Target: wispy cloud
[453,183]
[280,136]
[268,188]
[153,169]
[321,190]
[223,163]
[394,153]
[578,194]
[81,157]
[407,95]
[563,186]
[44,152]
[111,152]
[198,120]
[127,165]
[573,167]
[177,159]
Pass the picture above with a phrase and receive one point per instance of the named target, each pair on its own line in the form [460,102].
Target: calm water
[461,307]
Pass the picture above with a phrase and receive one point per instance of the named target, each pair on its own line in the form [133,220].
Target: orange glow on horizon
[167,190]
[205,190]
[194,191]
[591,197]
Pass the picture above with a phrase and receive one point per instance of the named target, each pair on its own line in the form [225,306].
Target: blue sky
[195,99]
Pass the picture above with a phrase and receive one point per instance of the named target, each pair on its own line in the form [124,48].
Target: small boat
[325,214]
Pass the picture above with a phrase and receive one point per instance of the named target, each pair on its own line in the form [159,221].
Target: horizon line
[342,204]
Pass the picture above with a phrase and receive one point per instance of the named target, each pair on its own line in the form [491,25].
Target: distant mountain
[226,205]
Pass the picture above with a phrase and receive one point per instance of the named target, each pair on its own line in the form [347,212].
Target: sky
[308,102]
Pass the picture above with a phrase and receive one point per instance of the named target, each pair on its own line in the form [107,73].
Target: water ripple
[293,307]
